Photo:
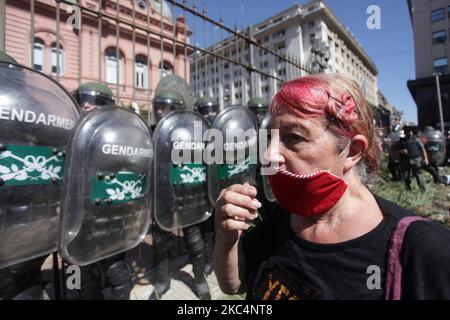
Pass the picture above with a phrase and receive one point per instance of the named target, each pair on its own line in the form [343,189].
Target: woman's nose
[272,153]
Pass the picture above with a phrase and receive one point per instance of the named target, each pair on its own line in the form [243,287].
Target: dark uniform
[434,146]
[165,102]
[394,165]
[112,273]
[209,109]
[411,160]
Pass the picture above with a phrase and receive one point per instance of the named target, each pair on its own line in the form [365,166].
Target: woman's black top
[281,265]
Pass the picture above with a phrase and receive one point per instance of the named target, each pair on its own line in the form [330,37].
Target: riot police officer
[394,165]
[412,152]
[114,270]
[93,94]
[38,118]
[209,109]
[259,106]
[435,147]
[166,101]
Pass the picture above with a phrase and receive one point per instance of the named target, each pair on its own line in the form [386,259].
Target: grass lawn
[433,204]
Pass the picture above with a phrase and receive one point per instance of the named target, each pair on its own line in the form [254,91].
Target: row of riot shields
[72,184]
[195,160]
[86,186]
[193,163]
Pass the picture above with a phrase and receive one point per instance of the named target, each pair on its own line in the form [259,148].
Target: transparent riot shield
[180,189]
[37,117]
[106,196]
[238,164]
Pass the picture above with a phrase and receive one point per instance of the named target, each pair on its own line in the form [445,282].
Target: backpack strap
[394,267]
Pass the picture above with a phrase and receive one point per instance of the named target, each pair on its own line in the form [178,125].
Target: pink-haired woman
[330,237]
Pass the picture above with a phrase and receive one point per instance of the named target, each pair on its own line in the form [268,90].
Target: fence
[117,43]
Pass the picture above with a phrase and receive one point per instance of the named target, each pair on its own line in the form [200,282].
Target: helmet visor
[209,111]
[259,113]
[88,102]
[163,109]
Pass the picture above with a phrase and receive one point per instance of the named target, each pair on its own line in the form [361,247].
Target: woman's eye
[293,138]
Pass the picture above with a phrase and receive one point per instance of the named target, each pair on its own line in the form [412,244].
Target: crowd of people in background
[411,152]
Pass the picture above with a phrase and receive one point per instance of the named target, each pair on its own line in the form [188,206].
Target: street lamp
[441,115]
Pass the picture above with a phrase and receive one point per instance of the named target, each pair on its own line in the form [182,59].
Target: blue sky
[391,47]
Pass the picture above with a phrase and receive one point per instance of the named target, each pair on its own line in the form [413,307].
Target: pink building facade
[88,44]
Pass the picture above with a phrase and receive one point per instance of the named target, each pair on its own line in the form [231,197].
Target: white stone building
[310,34]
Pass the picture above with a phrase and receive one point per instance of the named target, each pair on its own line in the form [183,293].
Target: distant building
[387,116]
[90,54]
[310,33]
[431,25]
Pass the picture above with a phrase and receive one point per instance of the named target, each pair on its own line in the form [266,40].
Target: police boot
[162,279]
[200,284]
[209,252]
[118,278]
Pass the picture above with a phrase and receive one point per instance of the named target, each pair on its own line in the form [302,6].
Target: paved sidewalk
[181,285]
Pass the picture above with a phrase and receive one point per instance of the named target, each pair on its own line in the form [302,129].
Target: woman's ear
[358,148]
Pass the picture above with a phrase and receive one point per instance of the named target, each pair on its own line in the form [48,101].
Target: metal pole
[80,51]
[252,75]
[289,76]
[222,78]
[161,29]
[441,115]
[185,40]
[174,48]
[63,280]
[134,50]
[214,73]
[197,57]
[32,8]
[58,39]
[2,24]
[149,71]
[239,70]
[100,5]
[206,56]
[56,278]
[118,75]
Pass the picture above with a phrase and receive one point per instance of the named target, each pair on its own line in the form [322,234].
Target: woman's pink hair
[335,98]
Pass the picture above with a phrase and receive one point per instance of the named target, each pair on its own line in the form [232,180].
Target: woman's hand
[235,208]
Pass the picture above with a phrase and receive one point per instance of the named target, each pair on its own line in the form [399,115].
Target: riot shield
[394,138]
[435,146]
[177,84]
[239,148]
[37,117]
[268,193]
[106,196]
[180,190]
